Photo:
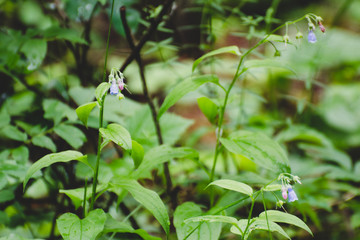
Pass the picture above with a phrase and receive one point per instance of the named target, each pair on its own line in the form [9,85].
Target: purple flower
[311,36]
[121,84]
[292,195]
[284,192]
[114,89]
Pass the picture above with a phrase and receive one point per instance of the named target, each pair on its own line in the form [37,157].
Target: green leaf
[101,91]
[206,230]
[71,227]
[148,198]
[184,87]
[4,117]
[56,110]
[303,133]
[6,195]
[77,195]
[259,148]
[272,188]
[213,218]
[82,95]
[277,216]
[208,108]
[137,153]
[44,141]
[230,49]
[71,35]
[257,224]
[72,135]
[328,153]
[269,63]
[13,133]
[118,134]
[84,111]
[52,158]
[161,154]
[233,186]
[113,225]
[80,10]
[35,51]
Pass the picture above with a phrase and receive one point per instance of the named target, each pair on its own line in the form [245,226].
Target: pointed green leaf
[233,186]
[72,35]
[115,226]
[84,111]
[161,154]
[267,63]
[73,228]
[277,216]
[118,134]
[35,51]
[13,133]
[257,224]
[259,148]
[72,135]
[208,108]
[44,141]
[52,158]
[272,188]
[101,91]
[148,198]
[230,49]
[213,218]
[199,231]
[137,153]
[184,87]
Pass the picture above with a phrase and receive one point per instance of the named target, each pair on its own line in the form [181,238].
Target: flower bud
[299,35]
[321,26]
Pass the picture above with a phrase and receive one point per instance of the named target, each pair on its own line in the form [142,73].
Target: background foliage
[304,96]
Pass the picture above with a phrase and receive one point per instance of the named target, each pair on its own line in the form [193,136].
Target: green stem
[101,118]
[267,220]
[238,73]
[249,218]
[84,204]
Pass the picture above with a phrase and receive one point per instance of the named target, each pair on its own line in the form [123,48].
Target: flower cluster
[318,20]
[312,21]
[287,190]
[116,79]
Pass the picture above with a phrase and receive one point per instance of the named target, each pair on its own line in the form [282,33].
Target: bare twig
[148,99]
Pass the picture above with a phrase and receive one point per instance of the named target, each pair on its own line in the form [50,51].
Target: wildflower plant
[188,218]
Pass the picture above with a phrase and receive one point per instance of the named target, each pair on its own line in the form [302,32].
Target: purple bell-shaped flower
[114,89]
[311,36]
[292,195]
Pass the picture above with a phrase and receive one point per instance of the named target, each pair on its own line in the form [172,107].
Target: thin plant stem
[101,119]
[249,217]
[84,204]
[168,181]
[239,71]
[267,219]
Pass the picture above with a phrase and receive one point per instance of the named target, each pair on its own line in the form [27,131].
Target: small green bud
[120,96]
[277,53]
[299,35]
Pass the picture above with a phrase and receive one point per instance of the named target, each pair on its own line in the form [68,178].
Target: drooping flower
[116,78]
[121,82]
[292,195]
[114,89]
[321,26]
[284,192]
[311,36]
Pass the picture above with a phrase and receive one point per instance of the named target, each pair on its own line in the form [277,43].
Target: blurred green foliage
[307,99]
